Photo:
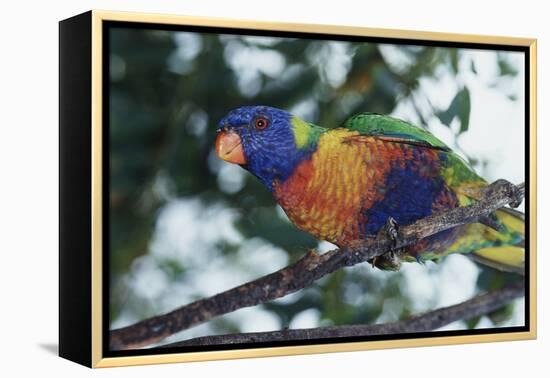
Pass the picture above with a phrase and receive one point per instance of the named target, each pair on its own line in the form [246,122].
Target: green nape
[305,134]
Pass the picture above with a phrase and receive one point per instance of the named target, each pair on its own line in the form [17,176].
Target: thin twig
[307,270]
[477,306]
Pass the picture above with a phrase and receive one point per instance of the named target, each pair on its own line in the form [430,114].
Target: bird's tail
[503,249]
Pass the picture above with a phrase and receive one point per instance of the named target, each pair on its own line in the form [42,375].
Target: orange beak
[229,147]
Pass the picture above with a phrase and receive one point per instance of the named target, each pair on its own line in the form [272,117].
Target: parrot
[373,173]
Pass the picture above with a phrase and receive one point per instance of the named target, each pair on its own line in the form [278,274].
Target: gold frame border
[97,19]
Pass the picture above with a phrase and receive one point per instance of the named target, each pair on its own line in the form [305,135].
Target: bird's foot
[519,194]
[491,221]
[516,192]
[392,229]
[391,259]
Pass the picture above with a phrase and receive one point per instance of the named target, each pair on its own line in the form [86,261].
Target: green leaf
[454,60]
[505,68]
[465,108]
[502,314]
[473,67]
[472,323]
[460,107]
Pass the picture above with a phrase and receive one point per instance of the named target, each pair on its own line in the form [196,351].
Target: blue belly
[408,194]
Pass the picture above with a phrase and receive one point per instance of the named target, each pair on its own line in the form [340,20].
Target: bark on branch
[477,306]
[307,270]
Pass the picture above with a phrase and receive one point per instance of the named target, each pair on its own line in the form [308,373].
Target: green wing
[392,129]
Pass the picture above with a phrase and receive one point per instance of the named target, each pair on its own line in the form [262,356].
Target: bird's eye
[261,123]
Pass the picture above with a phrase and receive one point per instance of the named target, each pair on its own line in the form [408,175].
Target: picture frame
[85,112]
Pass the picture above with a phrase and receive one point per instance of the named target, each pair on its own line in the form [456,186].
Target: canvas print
[270,189]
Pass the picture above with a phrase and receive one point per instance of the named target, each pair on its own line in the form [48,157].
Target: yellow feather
[505,257]
[301,131]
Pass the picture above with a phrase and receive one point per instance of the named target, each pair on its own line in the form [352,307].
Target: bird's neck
[306,135]
[275,170]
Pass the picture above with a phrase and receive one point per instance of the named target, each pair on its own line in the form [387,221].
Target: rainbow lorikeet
[347,183]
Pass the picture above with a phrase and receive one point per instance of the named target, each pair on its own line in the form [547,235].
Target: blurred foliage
[459,108]
[167,92]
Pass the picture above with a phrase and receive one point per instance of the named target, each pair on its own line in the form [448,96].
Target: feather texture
[343,184]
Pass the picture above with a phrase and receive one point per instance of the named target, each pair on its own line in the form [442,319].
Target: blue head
[266,141]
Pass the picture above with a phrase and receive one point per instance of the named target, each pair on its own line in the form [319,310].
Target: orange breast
[325,195]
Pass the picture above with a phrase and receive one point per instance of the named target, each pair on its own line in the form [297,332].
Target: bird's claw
[519,195]
[392,229]
[516,192]
[373,261]
[390,260]
[491,221]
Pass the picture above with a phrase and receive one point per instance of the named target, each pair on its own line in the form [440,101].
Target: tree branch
[307,270]
[477,306]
